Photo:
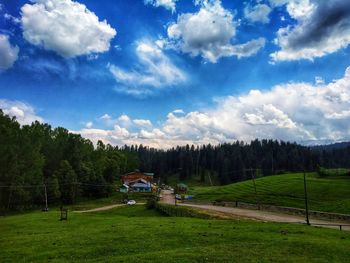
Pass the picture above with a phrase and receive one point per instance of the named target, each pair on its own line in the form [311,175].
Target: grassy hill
[135,234]
[329,194]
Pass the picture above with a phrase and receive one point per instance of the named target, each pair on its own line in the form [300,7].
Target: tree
[68,183]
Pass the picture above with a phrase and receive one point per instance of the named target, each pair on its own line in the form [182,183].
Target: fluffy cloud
[323,27]
[8,53]
[258,13]
[11,18]
[89,124]
[209,33]
[168,4]
[23,112]
[141,122]
[302,112]
[155,71]
[66,27]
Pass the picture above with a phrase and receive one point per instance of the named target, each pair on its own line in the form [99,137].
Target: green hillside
[135,234]
[329,194]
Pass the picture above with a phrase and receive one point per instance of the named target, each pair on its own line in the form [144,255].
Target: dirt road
[103,208]
[168,197]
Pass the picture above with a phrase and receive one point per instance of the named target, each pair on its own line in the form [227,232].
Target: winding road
[168,198]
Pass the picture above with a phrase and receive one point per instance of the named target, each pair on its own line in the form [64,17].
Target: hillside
[330,194]
[135,234]
[330,147]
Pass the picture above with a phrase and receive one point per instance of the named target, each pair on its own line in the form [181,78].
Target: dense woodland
[69,166]
[232,162]
[36,157]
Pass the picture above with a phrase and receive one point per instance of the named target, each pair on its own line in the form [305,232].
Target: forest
[38,161]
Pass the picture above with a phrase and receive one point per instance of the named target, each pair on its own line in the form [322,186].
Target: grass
[333,172]
[194,180]
[115,198]
[328,194]
[135,234]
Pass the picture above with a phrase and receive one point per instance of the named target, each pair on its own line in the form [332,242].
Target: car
[178,197]
[131,202]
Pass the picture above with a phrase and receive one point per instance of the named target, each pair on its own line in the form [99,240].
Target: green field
[135,234]
[329,194]
[115,198]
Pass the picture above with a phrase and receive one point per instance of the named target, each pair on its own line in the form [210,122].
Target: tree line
[233,162]
[37,161]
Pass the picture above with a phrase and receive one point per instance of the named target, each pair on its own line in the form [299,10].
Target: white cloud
[301,112]
[209,33]
[141,122]
[155,71]
[11,18]
[66,27]
[179,111]
[24,113]
[168,4]
[258,13]
[89,124]
[105,117]
[124,120]
[322,28]
[8,53]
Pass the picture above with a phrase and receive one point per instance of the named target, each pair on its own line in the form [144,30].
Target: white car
[131,202]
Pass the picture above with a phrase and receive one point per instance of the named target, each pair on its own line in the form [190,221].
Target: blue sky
[167,72]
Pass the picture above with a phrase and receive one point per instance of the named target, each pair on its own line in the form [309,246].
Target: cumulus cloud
[8,53]
[322,28]
[66,27]
[209,33]
[141,122]
[258,13]
[302,112]
[89,124]
[154,71]
[24,113]
[168,4]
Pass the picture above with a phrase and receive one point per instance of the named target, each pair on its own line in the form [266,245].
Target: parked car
[131,202]
[178,197]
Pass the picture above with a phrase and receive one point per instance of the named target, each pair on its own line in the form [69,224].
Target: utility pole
[306,201]
[272,162]
[198,156]
[256,192]
[46,205]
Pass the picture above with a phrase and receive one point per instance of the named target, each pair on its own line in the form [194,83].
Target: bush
[151,203]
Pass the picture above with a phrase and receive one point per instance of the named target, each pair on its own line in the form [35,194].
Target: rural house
[137,182]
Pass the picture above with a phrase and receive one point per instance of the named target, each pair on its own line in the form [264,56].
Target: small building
[124,188]
[181,188]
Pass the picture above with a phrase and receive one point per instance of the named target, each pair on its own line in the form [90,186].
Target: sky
[172,72]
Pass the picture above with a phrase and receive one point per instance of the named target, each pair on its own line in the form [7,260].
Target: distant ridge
[330,147]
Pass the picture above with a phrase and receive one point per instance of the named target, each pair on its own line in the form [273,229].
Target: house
[130,177]
[141,185]
[137,182]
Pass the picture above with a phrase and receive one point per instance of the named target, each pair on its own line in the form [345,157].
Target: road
[168,197]
[103,208]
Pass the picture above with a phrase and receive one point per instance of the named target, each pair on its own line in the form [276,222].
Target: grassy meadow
[328,194]
[136,234]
